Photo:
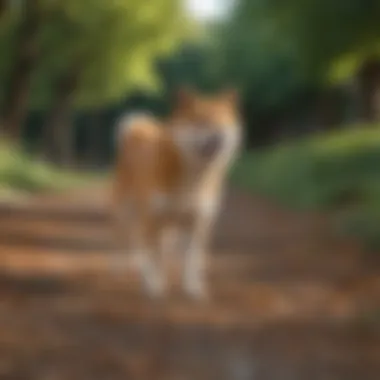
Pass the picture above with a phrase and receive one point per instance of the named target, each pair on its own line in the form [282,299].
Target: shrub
[339,170]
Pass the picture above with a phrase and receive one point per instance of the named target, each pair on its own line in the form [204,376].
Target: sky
[206,9]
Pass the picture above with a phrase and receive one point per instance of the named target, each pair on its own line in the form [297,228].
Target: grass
[20,172]
[339,170]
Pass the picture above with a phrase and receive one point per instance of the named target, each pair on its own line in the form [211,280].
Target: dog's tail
[138,138]
[138,125]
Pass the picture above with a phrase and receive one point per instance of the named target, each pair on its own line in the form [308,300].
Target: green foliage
[245,51]
[116,43]
[234,53]
[276,51]
[362,222]
[21,172]
[187,67]
[323,33]
[318,172]
[111,44]
[330,172]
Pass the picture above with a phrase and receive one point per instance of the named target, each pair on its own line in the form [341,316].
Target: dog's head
[207,128]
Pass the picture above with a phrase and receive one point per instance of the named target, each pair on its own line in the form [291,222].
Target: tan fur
[161,181]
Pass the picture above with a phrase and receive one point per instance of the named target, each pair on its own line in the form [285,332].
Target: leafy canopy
[111,44]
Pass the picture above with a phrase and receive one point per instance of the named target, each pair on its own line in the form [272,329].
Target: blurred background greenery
[308,72]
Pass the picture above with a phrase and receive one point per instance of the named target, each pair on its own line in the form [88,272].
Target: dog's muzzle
[211,146]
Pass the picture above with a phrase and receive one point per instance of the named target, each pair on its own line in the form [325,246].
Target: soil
[289,299]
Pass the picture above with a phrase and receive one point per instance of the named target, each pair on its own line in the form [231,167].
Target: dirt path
[290,301]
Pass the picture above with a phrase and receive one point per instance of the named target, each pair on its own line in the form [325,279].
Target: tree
[80,54]
[95,51]
[25,56]
[244,51]
[3,7]
[332,40]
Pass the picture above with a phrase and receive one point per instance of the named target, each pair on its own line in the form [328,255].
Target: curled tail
[138,137]
[136,125]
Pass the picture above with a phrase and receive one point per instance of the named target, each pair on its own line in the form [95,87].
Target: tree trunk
[3,7]
[367,88]
[26,54]
[58,144]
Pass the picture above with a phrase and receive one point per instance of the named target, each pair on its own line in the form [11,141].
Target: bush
[19,171]
[339,170]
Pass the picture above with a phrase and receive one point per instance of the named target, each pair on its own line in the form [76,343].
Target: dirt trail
[289,300]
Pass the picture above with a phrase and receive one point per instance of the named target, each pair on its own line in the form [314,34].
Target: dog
[172,173]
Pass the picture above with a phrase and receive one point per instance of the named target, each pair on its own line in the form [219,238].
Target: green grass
[327,172]
[22,172]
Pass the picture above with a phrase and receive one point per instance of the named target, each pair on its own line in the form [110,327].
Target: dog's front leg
[198,234]
[146,242]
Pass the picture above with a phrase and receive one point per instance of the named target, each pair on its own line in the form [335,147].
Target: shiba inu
[172,173]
